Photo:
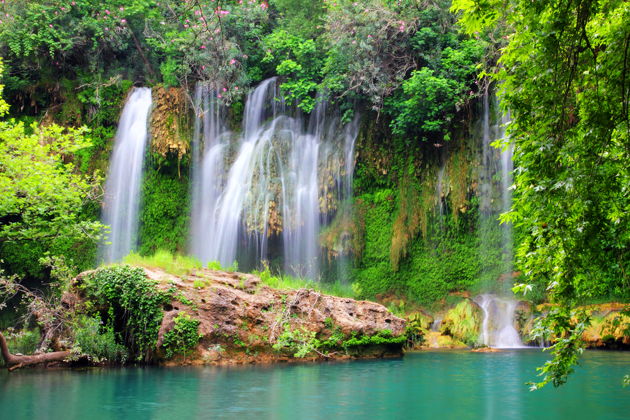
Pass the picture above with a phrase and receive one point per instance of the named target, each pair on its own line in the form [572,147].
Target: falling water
[209,144]
[122,188]
[495,197]
[497,329]
[279,179]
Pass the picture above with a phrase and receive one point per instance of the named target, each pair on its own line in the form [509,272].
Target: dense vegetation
[419,80]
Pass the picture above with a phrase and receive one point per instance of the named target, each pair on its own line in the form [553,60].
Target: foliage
[24,341]
[130,302]
[563,75]
[299,61]
[183,337]
[97,341]
[462,323]
[285,282]
[164,214]
[430,97]
[380,338]
[177,265]
[41,195]
[565,327]
[300,341]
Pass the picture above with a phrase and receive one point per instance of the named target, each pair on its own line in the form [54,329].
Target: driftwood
[17,361]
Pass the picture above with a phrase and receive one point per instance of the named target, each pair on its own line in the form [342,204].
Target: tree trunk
[15,362]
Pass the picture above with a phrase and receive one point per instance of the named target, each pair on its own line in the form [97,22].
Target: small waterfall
[122,188]
[274,186]
[497,328]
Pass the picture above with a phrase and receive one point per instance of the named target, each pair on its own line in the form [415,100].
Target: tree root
[14,362]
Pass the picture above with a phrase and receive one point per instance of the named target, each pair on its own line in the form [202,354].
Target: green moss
[164,214]
[463,323]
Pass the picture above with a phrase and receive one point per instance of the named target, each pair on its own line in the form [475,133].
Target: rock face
[241,319]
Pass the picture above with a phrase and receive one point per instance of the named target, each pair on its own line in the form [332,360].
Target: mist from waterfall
[497,328]
[278,182]
[122,188]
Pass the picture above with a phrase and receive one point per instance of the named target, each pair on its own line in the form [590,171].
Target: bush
[132,303]
[183,337]
[97,341]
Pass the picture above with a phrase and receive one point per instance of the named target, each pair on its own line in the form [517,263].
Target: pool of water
[431,385]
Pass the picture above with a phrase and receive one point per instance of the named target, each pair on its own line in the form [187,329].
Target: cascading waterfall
[122,188]
[209,146]
[495,198]
[286,176]
[497,329]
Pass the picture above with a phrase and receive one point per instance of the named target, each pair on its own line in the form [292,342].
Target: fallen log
[14,361]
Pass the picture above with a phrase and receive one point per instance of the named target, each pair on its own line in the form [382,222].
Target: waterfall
[122,188]
[495,179]
[209,146]
[266,193]
[497,329]
[495,197]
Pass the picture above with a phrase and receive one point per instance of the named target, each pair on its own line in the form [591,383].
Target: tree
[563,74]
[41,195]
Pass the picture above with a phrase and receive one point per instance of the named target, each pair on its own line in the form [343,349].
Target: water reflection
[443,385]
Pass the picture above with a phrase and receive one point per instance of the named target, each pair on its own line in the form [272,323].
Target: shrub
[97,341]
[132,303]
[183,337]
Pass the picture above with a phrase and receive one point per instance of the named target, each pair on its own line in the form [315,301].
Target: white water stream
[497,329]
[280,179]
[122,188]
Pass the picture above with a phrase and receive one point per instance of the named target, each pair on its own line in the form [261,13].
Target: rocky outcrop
[463,322]
[240,319]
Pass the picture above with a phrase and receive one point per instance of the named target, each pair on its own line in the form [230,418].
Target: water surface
[431,385]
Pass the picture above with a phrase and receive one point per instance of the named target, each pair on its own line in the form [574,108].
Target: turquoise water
[426,385]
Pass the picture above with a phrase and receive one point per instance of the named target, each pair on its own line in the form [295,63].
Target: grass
[177,265]
[284,282]
[180,265]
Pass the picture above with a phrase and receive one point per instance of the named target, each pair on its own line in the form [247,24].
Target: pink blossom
[107,11]
[203,67]
[224,89]
[203,47]
[232,61]
[50,25]
[219,96]
[123,20]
